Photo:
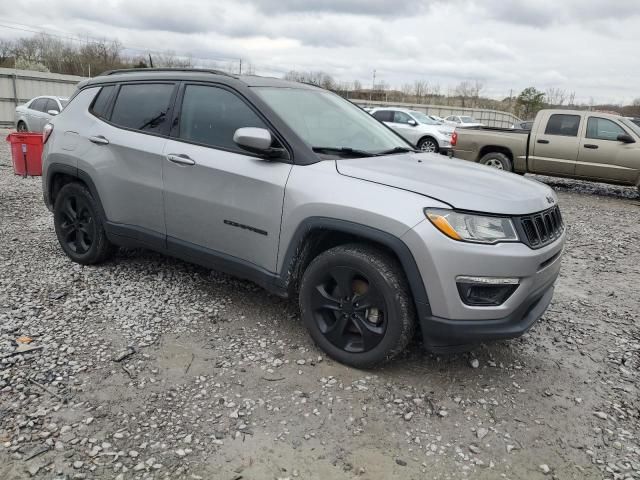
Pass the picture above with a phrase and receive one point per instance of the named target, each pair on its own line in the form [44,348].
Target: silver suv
[304,193]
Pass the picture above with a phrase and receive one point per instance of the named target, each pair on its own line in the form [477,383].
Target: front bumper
[447,322]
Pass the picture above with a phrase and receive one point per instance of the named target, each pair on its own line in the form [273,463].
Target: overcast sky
[587,46]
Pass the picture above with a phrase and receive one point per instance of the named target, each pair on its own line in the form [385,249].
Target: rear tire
[429,145]
[79,225]
[355,302]
[497,160]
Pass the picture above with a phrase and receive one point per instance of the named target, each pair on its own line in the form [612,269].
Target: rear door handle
[545,142]
[591,146]
[99,140]
[180,159]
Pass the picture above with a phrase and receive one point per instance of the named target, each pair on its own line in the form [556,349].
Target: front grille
[541,228]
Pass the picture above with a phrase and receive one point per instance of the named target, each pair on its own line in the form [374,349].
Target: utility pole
[240,66]
[373,85]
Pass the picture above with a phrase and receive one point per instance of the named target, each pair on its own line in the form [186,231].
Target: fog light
[486,291]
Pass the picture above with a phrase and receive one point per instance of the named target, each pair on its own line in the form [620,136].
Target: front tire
[79,225]
[497,160]
[355,302]
[428,145]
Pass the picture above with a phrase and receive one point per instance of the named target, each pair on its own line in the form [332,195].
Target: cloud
[384,8]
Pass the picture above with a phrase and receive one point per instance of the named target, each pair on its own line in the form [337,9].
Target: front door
[219,199]
[554,150]
[603,157]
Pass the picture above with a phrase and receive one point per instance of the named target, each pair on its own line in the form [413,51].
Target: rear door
[555,144]
[127,155]
[603,157]
[219,199]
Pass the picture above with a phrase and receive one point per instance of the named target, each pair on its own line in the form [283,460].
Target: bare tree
[420,88]
[357,85]
[572,99]
[556,96]
[465,91]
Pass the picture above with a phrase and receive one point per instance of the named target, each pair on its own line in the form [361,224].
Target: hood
[463,185]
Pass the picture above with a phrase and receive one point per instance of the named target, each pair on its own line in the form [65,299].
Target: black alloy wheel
[77,227]
[348,309]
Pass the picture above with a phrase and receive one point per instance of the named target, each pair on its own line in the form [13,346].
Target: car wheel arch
[59,174]
[317,234]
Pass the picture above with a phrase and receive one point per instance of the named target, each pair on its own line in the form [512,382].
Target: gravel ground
[148,367]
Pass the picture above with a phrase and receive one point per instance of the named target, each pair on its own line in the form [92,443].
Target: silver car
[418,128]
[304,193]
[36,113]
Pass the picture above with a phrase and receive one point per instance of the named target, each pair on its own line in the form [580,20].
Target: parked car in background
[462,121]
[297,189]
[564,143]
[635,120]
[436,118]
[418,128]
[525,125]
[36,113]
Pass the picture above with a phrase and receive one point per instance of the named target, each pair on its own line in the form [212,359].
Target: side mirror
[625,138]
[412,122]
[53,112]
[257,140]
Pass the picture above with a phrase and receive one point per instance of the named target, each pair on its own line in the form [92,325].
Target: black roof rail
[168,69]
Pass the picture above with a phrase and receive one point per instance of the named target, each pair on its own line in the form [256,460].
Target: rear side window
[564,125]
[383,115]
[143,107]
[101,103]
[39,104]
[603,129]
[211,116]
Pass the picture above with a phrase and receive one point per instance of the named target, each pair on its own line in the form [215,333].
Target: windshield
[632,126]
[467,120]
[325,120]
[422,118]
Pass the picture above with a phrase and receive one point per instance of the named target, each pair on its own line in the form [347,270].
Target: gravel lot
[148,367]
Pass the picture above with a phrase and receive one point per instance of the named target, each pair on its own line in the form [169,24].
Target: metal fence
[491,118]
[19,86]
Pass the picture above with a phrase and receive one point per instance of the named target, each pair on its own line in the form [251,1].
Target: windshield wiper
[352,152]
[397,150]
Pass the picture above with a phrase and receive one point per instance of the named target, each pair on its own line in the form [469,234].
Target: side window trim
[174,132]
[109,102]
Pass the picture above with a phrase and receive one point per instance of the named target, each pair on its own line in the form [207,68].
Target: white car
[436,118]
[418,128]
[36,113]
[462,121]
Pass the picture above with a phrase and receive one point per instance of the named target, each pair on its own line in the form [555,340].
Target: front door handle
[591,146]
[99,140]
[545,142]
[180,159]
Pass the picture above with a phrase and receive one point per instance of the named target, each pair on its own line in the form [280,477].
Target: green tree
[530,101]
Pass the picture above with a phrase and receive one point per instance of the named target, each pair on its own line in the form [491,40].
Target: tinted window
[401,117]
[565,125]
[384,116]
[39,104]
[101,103]
[603,129]
[142,107]
[52,105]
[211,116]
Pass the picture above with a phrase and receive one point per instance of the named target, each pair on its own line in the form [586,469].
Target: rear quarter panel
[473,144]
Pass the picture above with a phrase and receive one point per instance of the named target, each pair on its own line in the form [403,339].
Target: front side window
[603,129]
[401,117]
[52,105]
[143,107]
[423,118]
[563,125]
[211,116]
[325,120]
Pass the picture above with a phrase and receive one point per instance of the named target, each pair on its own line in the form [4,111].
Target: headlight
[472,228]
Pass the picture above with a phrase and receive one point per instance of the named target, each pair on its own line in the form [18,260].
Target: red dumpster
[26,153]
